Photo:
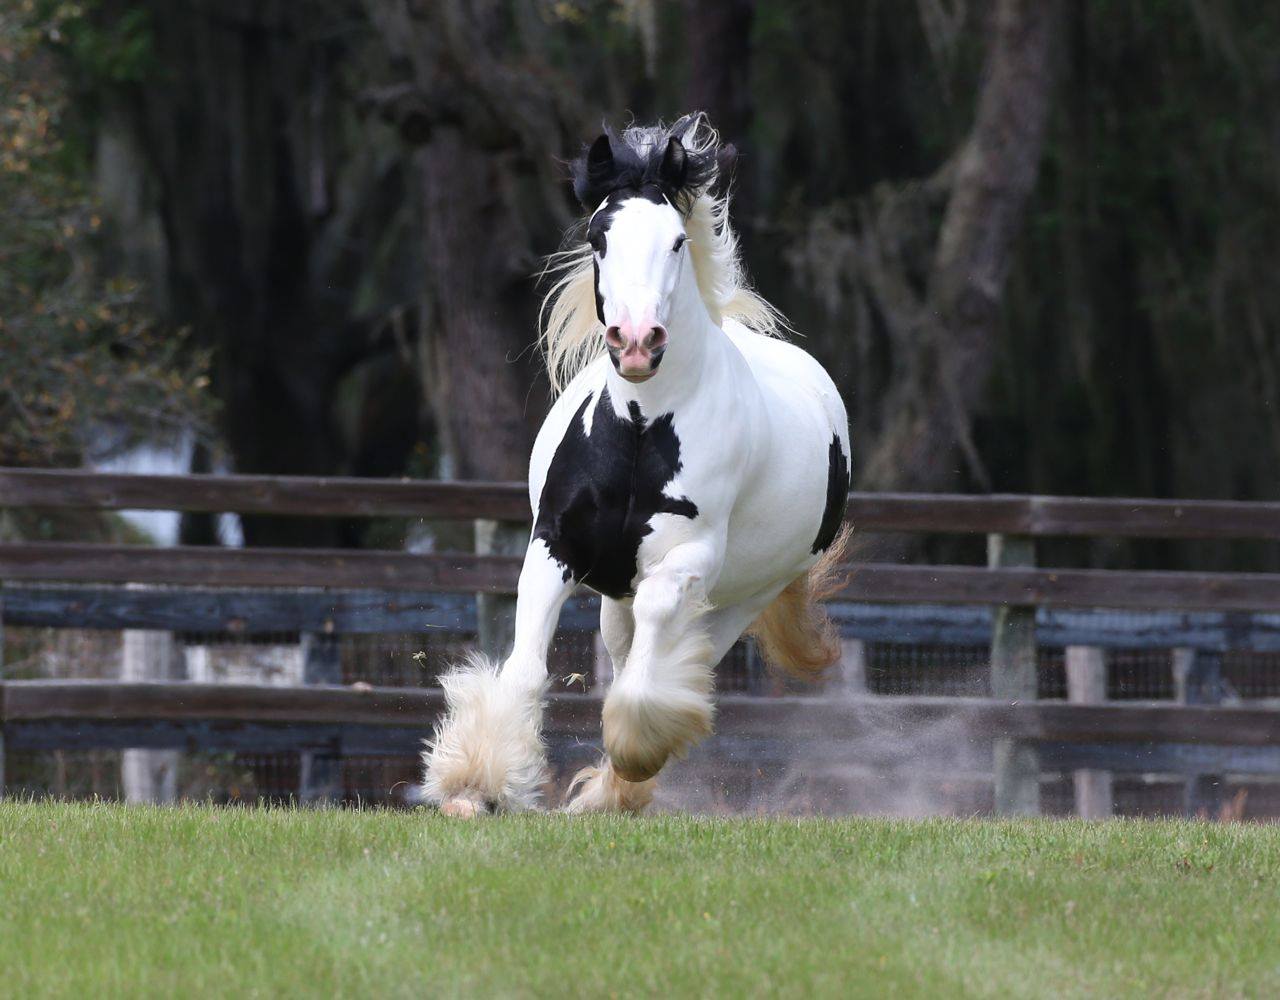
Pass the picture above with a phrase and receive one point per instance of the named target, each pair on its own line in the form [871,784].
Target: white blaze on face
[638,274]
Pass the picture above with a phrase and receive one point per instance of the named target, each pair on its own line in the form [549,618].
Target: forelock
[637,165]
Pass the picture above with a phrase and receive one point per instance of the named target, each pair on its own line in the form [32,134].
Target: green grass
[106,899]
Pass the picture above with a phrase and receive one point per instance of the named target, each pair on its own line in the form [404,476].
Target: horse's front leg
[660,702]
[487,753]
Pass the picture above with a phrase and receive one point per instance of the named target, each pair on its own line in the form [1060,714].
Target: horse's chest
[603,489]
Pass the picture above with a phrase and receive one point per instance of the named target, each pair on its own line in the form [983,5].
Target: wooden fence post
[496,613]
[149,775]
[1013,678]
[1087,685]
[320,775]
[1197,680]
[851,680]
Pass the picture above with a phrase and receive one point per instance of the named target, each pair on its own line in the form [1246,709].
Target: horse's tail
[794,632]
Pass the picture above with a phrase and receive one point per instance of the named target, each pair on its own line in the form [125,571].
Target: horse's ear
[593,178]
[726,161]
[675,166]
[600,157]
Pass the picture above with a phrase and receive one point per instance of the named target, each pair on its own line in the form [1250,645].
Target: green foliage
[112,900]
[82,363]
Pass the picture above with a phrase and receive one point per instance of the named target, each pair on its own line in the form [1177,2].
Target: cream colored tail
[794,632]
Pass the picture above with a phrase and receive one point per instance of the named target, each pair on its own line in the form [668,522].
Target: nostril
[657,338]
[613,337]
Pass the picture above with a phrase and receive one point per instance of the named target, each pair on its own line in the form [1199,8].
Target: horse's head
[640,199]
[659,266]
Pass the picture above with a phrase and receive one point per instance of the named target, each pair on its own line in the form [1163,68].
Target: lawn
[195,900]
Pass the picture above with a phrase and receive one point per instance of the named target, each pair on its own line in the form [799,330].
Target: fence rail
[498,574]
[106,703]
[1035,516]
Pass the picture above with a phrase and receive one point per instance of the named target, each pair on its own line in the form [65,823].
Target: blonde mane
[570,331]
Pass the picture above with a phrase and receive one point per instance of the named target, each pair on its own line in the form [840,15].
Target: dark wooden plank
[1133,629]
[337,739]
[869,582]
[349,739]
[248,612]
[1047,515]
[794,717]
[197,565]
[1161,758]
[29,701]
[984,718]
[298,495]
[200,609]
[352,497]
[889,583]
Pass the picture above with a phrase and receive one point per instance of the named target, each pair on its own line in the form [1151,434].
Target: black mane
[637,160]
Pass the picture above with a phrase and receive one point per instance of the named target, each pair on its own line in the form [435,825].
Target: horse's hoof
[636,774]
[463,808]
[601,789]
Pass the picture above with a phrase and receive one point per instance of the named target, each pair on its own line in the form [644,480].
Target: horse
[693,470]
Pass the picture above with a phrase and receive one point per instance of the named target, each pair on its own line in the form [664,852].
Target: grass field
[120,900]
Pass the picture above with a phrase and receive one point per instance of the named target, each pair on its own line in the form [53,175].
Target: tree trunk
[930,411]
[488,117]
[477,321]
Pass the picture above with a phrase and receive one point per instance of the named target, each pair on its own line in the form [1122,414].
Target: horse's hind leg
[486,754]
[604,788]
[660,702]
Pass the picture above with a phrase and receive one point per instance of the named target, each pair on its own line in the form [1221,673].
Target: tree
[84,368]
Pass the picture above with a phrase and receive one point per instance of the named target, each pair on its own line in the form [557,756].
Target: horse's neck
[694,344]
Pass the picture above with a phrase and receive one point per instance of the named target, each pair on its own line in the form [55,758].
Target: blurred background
[1034,242]
[300,237]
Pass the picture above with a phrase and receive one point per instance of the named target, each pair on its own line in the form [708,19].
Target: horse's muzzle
[636,356]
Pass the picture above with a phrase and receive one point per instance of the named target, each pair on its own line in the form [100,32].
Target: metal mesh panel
[901,669]
[1051,672]
[1252,675]
[1143,797]
[742,671]
[384,781]
[1140,674]
[394,660]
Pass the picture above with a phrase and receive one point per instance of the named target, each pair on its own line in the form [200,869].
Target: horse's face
[638,240]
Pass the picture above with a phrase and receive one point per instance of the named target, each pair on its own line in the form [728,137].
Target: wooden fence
[1010,603]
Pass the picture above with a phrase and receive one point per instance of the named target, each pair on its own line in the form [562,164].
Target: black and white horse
[693,471]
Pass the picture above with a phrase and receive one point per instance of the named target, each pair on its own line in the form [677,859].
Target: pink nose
[636,353]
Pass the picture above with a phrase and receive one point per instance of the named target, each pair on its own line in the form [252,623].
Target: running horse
[693,471]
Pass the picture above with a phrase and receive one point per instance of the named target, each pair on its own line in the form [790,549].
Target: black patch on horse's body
[837,496]
[603,488]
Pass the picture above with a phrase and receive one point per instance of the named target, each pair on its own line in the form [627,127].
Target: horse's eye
[597,242]
[680,241]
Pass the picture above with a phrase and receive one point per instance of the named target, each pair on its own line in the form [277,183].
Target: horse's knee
[660,598]
[617,628]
